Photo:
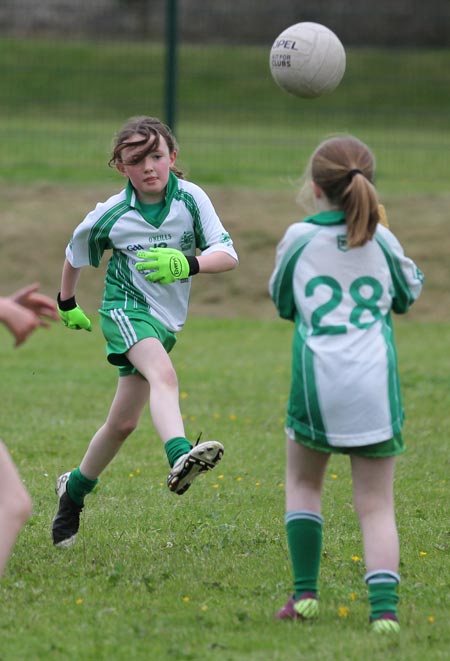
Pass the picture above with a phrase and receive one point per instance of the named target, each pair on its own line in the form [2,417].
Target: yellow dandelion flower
[79,601]
[138,471]
[333,476]
[204,607]
[215,486]
[131,475]
[422,553]
[220,477]
[257,484]
[281,485]
[343,611]
[233,417]
[183,395]
[352,596]
[431,619]
[239,479]
[186,599]
[356,558]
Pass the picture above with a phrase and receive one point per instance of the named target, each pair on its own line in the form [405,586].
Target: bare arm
[216,262]
[69,280]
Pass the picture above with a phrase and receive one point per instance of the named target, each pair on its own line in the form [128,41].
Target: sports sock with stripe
[383,597]
[304,535]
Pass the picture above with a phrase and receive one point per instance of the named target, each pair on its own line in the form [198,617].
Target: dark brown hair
[343,167]
[151,129]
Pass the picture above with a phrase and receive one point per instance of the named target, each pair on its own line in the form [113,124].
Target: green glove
[72,315]
[166,265]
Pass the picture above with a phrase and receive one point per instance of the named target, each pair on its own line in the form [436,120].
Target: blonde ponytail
[343,168]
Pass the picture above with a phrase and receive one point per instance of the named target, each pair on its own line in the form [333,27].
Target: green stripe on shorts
[124,328]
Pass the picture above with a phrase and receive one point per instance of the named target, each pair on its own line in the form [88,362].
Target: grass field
[153,575]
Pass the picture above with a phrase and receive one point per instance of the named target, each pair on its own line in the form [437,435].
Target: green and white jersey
[345,385]
[186,221]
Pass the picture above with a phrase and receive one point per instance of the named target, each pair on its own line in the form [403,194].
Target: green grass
[155,576]
[61,102]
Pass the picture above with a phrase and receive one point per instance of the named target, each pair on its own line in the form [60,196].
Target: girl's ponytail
[343,168]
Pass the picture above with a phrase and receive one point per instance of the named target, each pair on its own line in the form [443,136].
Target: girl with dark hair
[155,227]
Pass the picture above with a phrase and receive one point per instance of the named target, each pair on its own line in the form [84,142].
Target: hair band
[352,173]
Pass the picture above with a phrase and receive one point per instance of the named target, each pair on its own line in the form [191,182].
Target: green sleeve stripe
[283,290]
[99,234]
[192,206]
[403,296]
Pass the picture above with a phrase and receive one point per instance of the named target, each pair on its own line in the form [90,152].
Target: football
[307,60]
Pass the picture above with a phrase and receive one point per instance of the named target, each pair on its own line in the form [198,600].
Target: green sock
[304,535]
[175,447]
[383,596]
[78,486]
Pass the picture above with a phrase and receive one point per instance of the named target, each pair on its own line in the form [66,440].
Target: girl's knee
[169,377]
[19,505]
[370,506]
[124,428]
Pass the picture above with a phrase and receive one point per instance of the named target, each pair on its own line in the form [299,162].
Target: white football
[307,60]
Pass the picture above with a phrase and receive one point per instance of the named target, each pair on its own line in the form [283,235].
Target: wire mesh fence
[72,75]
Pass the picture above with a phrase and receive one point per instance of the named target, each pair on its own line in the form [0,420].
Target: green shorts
[123,329]
[389,448]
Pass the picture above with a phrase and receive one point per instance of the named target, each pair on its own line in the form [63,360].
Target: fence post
[171,62]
